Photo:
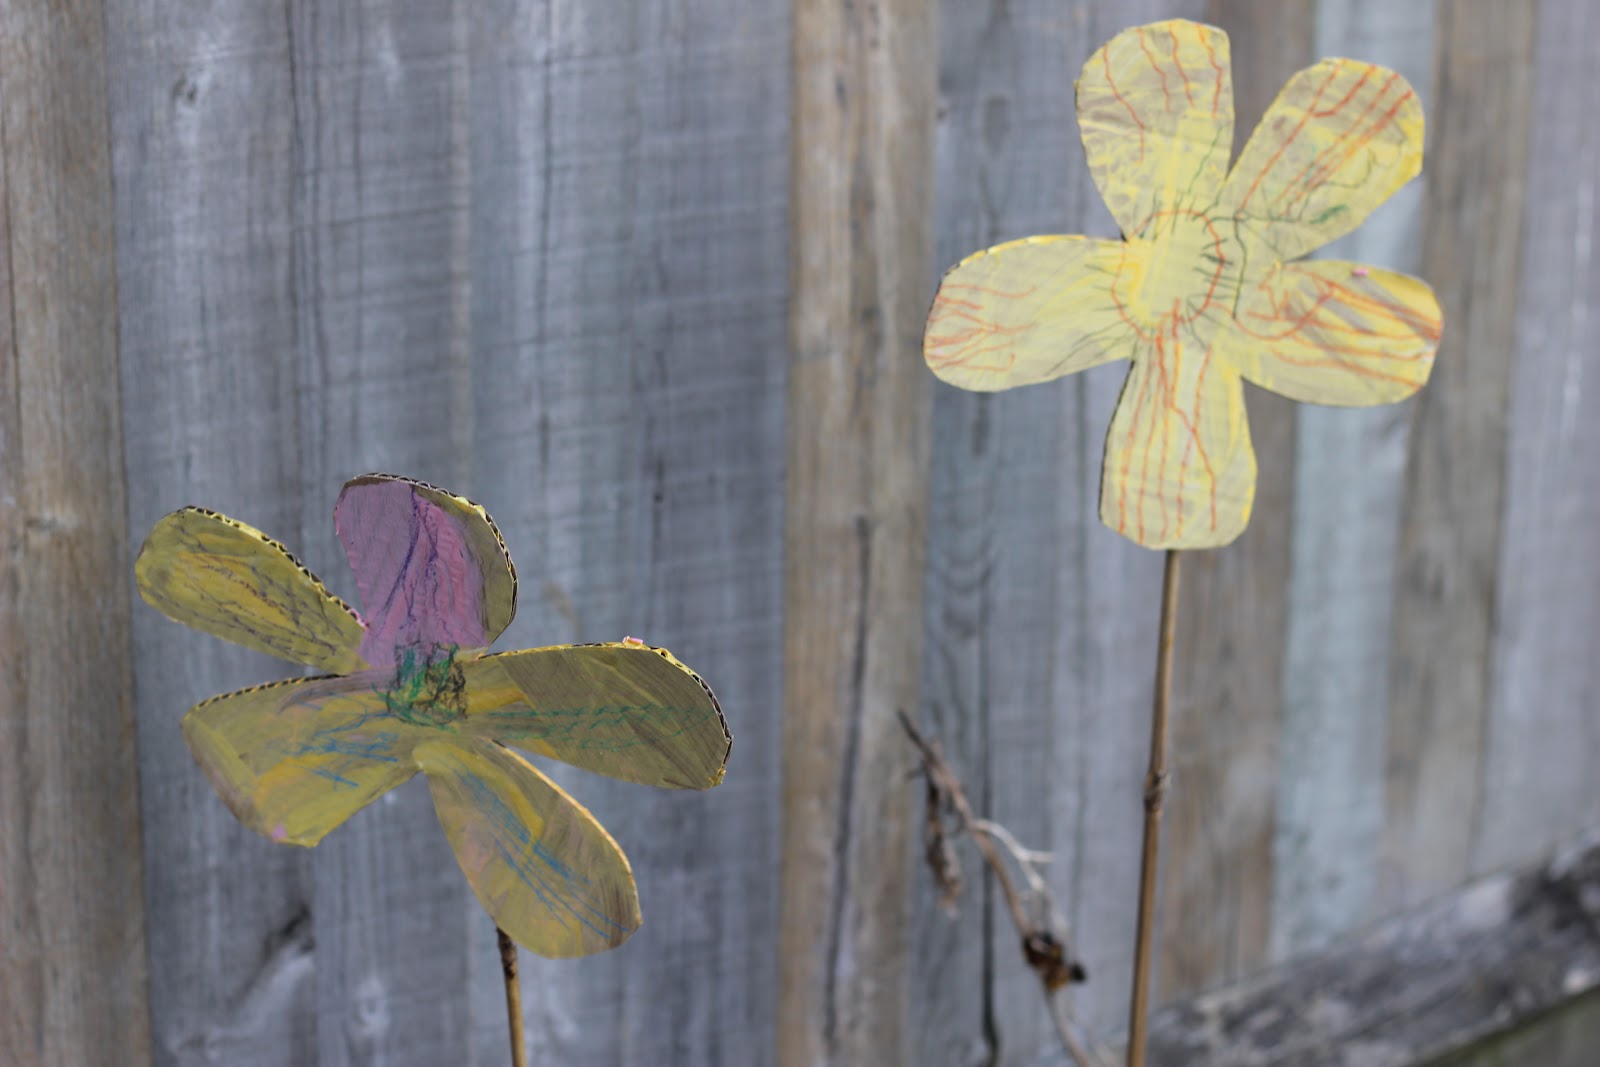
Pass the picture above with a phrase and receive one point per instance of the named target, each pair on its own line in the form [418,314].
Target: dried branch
[1045,951]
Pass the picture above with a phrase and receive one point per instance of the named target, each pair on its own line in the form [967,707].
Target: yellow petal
[1027,311]
[1329,332]
[1338,141]
[296,758]
[618,709]
[1155,109]
[218,575]
[541,866]
[1179,470]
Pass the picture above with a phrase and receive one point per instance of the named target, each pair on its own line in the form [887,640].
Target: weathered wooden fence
[646,279]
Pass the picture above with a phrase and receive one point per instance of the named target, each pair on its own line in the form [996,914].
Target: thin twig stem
[508,969]
[984,834]
[1155,789]
[932,758]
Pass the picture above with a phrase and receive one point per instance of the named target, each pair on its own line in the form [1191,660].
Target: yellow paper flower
[1201,294]
[412,690]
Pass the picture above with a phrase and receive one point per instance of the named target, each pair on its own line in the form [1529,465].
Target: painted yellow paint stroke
[1028,311]
[1179,468]
[1155,110]
[1198,295]
[620,709]
[1331,332]
[1338,141]
[219,575]
[541,866]
[294,759]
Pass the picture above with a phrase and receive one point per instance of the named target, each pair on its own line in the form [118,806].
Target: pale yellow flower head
[1201,293]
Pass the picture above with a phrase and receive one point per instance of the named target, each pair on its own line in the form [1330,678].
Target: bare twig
[1028,861]
[508,970]
[937,849]
[1045,952]
[1155,790]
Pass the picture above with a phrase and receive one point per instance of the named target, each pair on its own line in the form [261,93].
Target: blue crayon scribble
[517,849]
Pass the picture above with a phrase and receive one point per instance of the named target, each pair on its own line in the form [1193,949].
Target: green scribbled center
[429,688]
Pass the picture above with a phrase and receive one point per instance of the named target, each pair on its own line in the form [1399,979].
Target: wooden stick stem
[508,968]
[1155,789]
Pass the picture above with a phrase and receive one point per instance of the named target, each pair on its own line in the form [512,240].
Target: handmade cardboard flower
[412,690]
[1201,294]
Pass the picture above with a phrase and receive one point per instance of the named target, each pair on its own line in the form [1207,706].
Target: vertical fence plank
[859,396]
[1445,596]
[1349,464]
[203,142]
[72,948]
[1229,657]
[629,229]
[1040,623]
[380,358]
[1543,728]
[995,547]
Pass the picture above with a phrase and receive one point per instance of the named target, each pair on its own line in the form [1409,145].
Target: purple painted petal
[421,582]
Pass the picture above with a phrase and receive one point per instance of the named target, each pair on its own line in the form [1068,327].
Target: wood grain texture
[380,355]
[1040,621]
[1445,607]
[1006,519]
[336,264]
[72,947]
[203,138]
[1484,958]
[1349,465]
[269,358]
[629,221]
[1217,859]
[1544,719]
[858,405]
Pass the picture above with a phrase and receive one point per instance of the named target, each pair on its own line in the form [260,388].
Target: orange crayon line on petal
[1293,134]
[1216,93]
[1166,96]
[1188,91]
[1111,83]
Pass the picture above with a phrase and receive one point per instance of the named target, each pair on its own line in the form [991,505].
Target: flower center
[1175,270]
[429,687]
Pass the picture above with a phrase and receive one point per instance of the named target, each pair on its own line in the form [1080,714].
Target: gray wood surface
[204,143]
[1008,165]
[629,233]
[360,237]
[859,400]
[1543,727]
[1227,669]
[540,251]
[72,946]
[1350,463]
[1488,957]
[1446,606]
[381,272]
[1040,622]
